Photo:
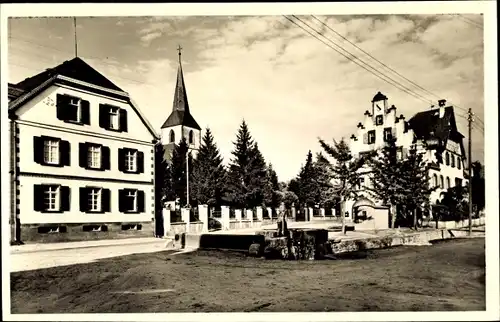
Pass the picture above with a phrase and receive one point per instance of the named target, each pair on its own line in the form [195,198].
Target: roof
[427,126]
[180,114]
[75,72]
[379,97]
[75,68]
[363,202]
[181,118]
[14,92]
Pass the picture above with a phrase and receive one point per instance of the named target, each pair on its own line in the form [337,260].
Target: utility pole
[470,120]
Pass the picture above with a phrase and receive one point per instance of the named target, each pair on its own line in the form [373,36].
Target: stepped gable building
[433,131]
[82,157]
[180,123]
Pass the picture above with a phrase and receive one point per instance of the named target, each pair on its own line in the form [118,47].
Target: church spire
[180,95]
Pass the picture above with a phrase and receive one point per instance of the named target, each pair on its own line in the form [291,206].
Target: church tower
[180,123]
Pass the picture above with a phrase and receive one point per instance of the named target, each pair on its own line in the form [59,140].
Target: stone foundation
[53,233]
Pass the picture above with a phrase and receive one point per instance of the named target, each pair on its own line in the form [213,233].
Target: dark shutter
[65,198]
[140,201]
[38,149]
[123,120]
[140,162]
[121,160]
[83,155]
[38,198]
[85,106]
[106,200]
[105,158]
[121,200]
[64,153]
[84,200]
[62,105]
[104,116]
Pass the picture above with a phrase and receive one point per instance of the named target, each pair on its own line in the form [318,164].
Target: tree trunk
[415,218]
[394,211]
[342,214]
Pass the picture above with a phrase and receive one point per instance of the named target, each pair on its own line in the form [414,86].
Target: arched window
[448,183]
[441,183]
[459,163]
[191,137]
[452,160]
[435,181]
[447,158]
[172,136]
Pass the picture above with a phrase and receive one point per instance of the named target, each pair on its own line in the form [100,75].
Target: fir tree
[345,172]
[178,171]
[272,193]
[415,172]
[387,182]
[478,187]
[209,175]
[258,181]
[307,188]
[323,177]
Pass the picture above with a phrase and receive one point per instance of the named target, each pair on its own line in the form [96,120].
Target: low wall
[226,241]
[457,224]
[419,238]
[75,232]
[195,227]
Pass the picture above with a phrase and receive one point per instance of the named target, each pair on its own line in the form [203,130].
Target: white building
[82,157]
[434,132]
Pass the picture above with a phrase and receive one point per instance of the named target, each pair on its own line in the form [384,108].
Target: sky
[289,87]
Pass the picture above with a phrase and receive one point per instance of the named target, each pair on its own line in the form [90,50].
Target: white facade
[381,121]
[173,135]
[56,183]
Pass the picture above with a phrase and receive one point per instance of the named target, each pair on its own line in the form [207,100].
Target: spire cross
[179,49]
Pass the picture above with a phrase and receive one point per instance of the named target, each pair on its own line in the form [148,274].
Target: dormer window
[379,120]
[113,118]
[72,109]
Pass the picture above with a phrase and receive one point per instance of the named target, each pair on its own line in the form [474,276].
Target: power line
[381,63]
[386,79]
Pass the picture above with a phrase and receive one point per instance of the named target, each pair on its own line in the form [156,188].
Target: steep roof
[76,72]
[75,68]
[379,97]
[427,125]
[180,114]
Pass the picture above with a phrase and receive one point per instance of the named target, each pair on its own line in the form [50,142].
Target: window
[361,182]
[131,201]
[441,182]
[435,180]
[371,137]
[95,199]
[379,120]
[72,109]
[387,134]
[448,183]
[452,161]
[51,198]
[113,118]
[191,137]
[130,161]
[459,163]
[172,136]
[94,156]
[447,158]
[51,151]
[458,182]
